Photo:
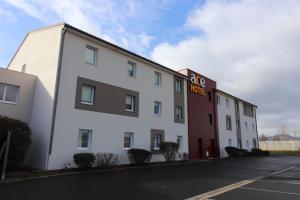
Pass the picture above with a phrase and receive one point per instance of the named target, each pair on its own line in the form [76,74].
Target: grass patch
[287,153]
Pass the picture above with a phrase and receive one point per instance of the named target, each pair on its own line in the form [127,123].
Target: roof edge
[237,98]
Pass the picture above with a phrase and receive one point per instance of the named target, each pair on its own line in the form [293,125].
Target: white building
[236,122]
[93,96]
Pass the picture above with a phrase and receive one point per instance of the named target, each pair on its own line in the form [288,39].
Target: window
[180,141]
[238,124]
[130,101]
[253,128]
[84,139]
[209,96]
[236,106]
[248,110]
[179,112]
[239,144]
[178,86]
[156,141]
[87,94]
[246,126]
[227,103]
[210,119]
[157,80]
[228,122]
[157,108]
[91,55]
[229,142]
[247,144]
[128,140]
[254,143]
[9,93]
[131,71]
[218,100]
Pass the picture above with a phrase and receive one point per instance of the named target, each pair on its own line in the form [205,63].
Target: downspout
[62,39]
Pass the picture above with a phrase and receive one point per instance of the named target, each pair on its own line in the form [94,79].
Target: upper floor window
[9,93]
[178,86]
[253,128]
[228,122]
[236,106]
[91,55]
[246,126]
[210,118]
[128,140]
[84,139]
[130,101]
[209,96]
[180,141]
[157,108]
[131,71]
[157,79]
[248,110]
[218,100]
[87,94]
[227,103]
[238,126]
[179,112]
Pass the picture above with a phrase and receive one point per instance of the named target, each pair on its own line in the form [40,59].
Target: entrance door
[200,148]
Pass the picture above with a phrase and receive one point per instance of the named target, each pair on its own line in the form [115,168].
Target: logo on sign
[198,84]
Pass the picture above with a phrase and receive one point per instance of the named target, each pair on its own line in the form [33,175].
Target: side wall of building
[26,83]
[108,129]
[40,53]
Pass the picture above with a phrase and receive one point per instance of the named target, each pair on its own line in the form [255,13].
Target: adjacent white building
[236,122]
[93,96]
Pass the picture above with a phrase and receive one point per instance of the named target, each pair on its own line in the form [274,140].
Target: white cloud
[251,48]
[6,16]
[118,21]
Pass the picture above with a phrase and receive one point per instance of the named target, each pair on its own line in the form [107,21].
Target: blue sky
[250,47]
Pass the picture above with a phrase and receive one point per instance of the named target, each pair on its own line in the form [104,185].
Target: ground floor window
[180,141]
[84,139]
[128,140]
[156,141]
[229,142]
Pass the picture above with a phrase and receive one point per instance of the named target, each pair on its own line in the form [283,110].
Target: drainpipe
[58,72]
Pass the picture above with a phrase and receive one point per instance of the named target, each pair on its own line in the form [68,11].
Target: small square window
[91,55]
[157,80]
[180,141]
[9,93]
[128,140]
[228,122]
[87,94]
[178,86]
[131,71]
[84,139]
[130,103]
[179,112]
[157,108]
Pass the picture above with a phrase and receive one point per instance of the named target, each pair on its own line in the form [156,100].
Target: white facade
[246,131]
[107,129]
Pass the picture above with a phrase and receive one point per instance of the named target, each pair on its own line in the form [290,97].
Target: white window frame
[159,106]
[157,78]
[179,108]
[179,140]
[131,65]
[92,95]
[131,139]
[90,132]
[178,86]
[159,142]
[95,61]
[4,94]
[132,103]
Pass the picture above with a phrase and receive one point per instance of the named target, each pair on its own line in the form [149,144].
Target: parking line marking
[274,191]
[216,192]
[295,182]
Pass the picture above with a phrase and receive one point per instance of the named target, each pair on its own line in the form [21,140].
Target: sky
[250,47]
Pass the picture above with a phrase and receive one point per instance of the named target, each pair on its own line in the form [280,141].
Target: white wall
[39,52]
[224,134]
[108,129]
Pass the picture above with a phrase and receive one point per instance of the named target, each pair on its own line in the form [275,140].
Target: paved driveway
[166,182]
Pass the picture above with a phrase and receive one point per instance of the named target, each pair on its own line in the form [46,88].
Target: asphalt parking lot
[278,178]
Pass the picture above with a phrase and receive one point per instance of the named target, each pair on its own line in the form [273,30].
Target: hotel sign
[197,85]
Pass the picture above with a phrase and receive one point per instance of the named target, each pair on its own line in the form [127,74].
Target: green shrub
[84,160]
[169,150]
[106,160]
[139,156]
[20,139]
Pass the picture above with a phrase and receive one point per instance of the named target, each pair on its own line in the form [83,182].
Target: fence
[285,145]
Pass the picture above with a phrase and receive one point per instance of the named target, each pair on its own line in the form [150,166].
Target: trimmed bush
[183,156]
[232,151]
[139,156]
[106,160]
[244,153]
[84,160]
[169,150]
[259,152]
[20,139]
